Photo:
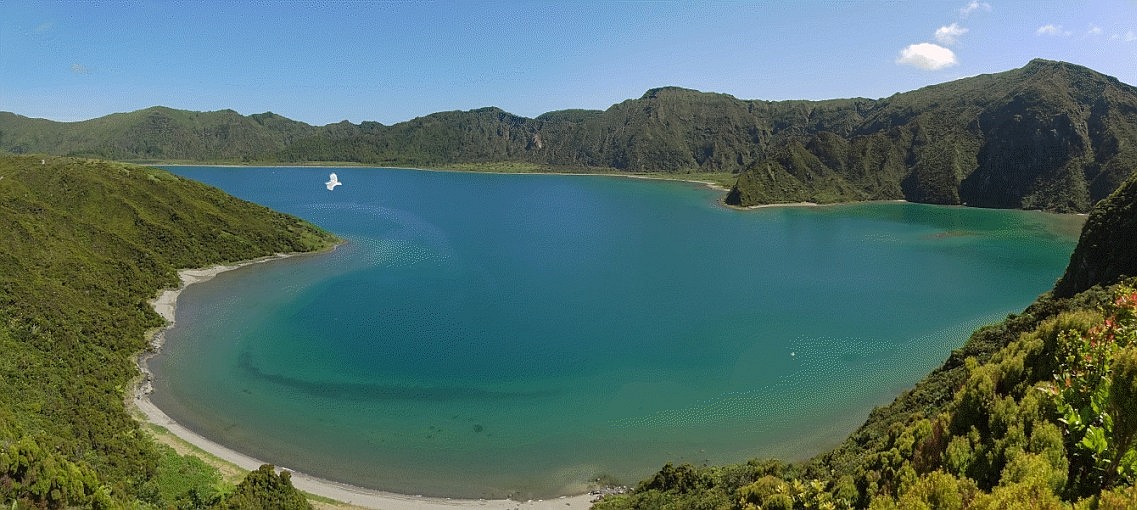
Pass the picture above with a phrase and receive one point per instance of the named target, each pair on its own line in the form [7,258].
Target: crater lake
[490,335]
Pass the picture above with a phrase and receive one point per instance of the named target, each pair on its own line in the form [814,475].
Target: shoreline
[817,204]
[646,176]
[653,177]
[140,407]
[780,204]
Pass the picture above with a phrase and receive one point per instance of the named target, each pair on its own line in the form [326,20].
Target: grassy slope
[84,245]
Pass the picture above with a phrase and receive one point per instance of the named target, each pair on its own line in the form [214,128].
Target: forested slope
[1049,135]
[84,246]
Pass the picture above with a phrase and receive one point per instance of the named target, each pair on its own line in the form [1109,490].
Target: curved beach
[139,398]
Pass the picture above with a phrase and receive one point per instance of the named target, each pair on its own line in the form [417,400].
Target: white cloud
[1094,30]
[80,69]
[975,5]
[927,56]
[1053,30]
[949,35]
[1130,36]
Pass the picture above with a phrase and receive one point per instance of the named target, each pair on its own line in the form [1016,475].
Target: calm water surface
[488,335]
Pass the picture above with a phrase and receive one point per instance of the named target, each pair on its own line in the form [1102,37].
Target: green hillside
[156,133]
[1037,411]
[1049,135]
[84,246]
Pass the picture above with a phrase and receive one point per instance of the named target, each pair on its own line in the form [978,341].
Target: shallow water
[488,335]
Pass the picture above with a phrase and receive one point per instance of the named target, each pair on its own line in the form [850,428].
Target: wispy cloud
[1052,30]
[1094,30]
[927,56]
[44,27]
[931,56]
[949,35]
[80,69]
[974,6]
[1128,36]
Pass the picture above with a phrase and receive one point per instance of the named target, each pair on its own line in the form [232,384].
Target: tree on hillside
[265,489]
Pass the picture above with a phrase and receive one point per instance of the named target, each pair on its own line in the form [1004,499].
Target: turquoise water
[488,335]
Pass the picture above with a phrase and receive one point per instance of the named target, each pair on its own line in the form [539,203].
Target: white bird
[333,181]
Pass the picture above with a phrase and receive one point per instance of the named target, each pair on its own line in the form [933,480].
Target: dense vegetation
[84,246]
[265,489]
[1050,135]
[1038,411]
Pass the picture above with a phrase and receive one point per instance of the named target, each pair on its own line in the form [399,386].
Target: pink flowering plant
[1093,394]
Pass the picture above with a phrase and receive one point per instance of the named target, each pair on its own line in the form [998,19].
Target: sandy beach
[166,306]
[815,204]
[785,204]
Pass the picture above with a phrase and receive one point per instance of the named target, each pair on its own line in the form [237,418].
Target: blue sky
[325,61]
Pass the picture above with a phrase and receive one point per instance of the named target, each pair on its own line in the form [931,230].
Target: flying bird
[333,181]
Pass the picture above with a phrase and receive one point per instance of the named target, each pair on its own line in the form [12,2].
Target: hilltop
[1049,135]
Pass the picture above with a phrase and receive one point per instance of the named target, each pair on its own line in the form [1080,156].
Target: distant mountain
[156,133]
[1050,135]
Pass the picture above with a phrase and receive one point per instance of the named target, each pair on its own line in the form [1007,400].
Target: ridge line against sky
[325,61]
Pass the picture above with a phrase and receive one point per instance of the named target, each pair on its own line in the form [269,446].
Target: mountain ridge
[1050,135]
